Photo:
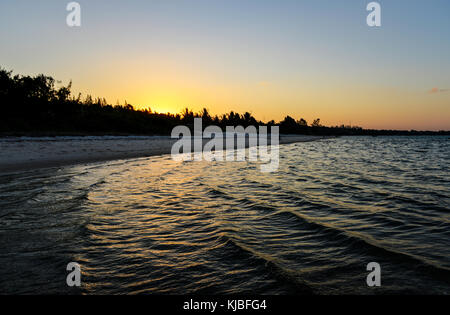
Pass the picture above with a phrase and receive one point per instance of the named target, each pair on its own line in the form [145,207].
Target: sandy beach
[26,153]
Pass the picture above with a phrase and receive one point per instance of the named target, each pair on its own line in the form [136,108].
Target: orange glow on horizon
[335,100]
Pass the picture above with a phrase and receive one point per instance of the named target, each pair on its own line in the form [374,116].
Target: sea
[158,226]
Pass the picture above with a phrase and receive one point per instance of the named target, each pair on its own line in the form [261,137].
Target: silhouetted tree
[302,122]
[206,117]
[316,123]
[34,105]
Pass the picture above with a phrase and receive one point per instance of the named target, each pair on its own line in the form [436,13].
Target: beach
[26,153]
[153,225]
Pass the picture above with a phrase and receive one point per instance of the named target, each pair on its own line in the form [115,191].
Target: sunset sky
[307,59]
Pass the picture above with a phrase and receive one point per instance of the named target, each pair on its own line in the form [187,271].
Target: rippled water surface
[154,225]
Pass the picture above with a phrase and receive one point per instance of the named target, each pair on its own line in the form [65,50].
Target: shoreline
[25,154]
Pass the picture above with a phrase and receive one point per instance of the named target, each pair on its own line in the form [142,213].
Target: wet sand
[27,153]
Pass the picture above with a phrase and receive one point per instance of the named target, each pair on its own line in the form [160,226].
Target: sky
[307,59]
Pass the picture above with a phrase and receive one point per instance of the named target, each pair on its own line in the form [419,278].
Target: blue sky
[305,58]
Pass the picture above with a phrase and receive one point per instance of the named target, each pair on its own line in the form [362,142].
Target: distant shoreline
[54,134]
[9,135]
[30,154]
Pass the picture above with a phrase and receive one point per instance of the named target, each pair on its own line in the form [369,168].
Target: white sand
[24,153]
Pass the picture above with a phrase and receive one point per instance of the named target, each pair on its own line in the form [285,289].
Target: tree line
[33,105]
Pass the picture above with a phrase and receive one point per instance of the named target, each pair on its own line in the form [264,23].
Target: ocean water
[153,225]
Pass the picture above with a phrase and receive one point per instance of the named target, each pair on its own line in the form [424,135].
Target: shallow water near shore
[153,225]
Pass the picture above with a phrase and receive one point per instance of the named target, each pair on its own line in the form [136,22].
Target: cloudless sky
[309,59]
